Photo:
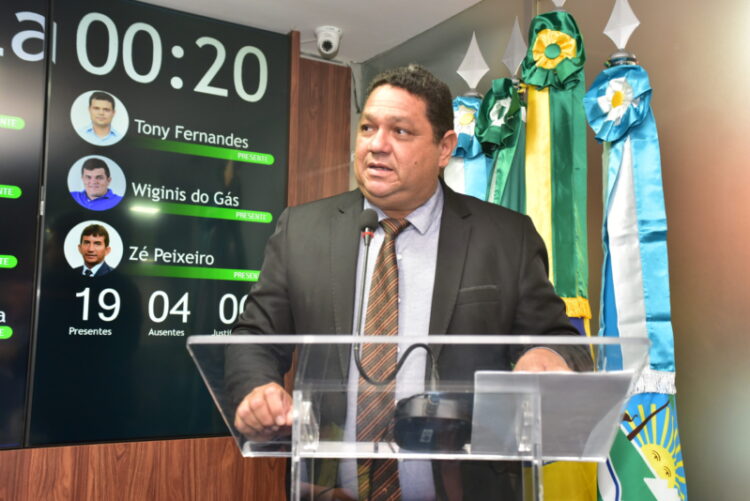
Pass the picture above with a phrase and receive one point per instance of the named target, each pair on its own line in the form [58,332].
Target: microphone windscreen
[368,218]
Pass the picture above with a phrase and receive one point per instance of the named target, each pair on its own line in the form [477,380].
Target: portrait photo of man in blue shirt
[100,130]
[96,193]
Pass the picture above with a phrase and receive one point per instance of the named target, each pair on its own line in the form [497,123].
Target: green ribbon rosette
[556,55]
[500,129]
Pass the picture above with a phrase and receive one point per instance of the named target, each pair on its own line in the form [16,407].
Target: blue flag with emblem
[469,169]
[646,459]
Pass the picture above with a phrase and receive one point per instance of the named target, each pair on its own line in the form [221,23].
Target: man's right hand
[265,413]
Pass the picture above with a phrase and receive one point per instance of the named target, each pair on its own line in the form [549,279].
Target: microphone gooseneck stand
[368,221]
[428,421]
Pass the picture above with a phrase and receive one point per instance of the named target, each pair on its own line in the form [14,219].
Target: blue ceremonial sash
[639,258]
[476,166]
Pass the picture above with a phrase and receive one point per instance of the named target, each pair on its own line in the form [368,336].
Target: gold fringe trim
[578,307]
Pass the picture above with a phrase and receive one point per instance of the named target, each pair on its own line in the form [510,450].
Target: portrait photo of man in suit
[94,247]
[464,266]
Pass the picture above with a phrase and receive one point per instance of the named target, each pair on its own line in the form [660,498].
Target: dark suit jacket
[103,270]
[491,278]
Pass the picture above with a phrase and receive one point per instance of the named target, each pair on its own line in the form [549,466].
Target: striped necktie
[378,479]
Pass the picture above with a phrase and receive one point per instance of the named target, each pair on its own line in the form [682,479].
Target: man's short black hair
[95,163]
[95,230]
[102,96]
[418,81]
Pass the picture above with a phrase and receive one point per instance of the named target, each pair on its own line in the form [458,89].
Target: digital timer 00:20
[204,85]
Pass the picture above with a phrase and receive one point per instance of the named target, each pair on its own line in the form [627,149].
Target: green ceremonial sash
[556,152]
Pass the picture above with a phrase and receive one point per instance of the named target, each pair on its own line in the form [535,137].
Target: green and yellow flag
[555,189]
[556,154]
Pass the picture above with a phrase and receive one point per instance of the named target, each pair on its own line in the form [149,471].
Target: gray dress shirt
[416,253]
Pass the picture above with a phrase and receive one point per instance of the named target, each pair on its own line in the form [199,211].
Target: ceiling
[368,28]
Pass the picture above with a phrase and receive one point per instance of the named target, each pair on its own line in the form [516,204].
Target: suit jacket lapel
[344,233]
[451,256]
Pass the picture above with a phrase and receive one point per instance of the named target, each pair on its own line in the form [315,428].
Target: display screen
[167,138]
[22,89]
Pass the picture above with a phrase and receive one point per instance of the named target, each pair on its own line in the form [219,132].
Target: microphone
[368,221]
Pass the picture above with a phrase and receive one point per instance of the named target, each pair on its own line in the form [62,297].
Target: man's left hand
[541,360]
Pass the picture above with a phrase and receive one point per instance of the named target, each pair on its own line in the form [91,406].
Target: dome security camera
[328,39]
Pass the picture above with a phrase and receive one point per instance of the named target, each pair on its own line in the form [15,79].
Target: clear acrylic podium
[475,408]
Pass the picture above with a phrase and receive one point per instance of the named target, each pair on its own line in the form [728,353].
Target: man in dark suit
[483,266]
[94,247]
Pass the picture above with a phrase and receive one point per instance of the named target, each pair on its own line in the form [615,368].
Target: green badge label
[202,150]
[8,261]
[9,122]
[9,191]
[5,332]
[249,216]
[160,270]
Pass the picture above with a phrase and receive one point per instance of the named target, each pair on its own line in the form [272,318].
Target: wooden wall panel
[206,469]
[294,85]
[322,161]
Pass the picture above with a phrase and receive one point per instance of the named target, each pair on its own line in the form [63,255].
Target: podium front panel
[455,397]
